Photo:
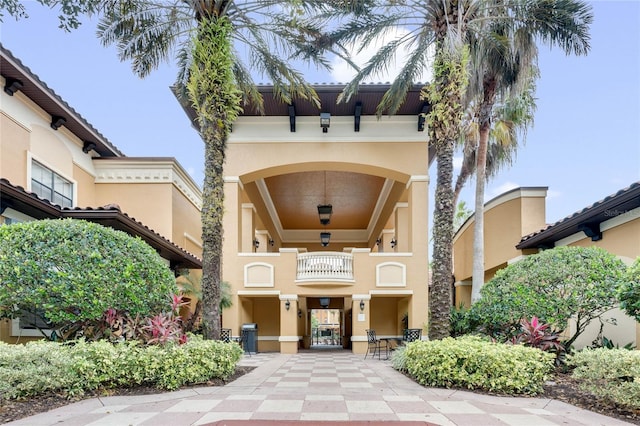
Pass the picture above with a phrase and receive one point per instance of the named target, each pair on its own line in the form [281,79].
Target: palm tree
[214,81]
[504,63]
[450,26]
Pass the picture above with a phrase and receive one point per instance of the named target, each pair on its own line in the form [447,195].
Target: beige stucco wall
[26,135]
[506,219]
[260,147]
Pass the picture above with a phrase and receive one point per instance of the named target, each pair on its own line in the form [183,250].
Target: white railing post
[324,265]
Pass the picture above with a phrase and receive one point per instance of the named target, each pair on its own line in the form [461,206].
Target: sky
[584,144]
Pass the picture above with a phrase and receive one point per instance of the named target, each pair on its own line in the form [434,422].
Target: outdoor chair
[225,335]
[375,345]
[411,334]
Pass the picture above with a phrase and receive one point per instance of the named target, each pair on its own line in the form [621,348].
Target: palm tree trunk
[216,100]
[445,95]
[477,280]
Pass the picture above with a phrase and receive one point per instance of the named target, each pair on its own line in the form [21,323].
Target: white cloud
[342,72]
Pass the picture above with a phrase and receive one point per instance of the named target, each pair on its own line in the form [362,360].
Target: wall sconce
[378,241]
[324,212]
[325,302]
[362,305]
[394,243]
[12,85]
[287,305]
[88,146]
[324,238]
[299,313]
[271,242]
[256,243]
[325,121]
[57,121]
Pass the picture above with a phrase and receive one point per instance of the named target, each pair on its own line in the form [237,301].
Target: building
[326,209]
[515,227]
[54,164]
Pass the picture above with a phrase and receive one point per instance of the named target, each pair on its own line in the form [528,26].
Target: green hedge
[610,373]
[40,367]
[73,270]
[473,363]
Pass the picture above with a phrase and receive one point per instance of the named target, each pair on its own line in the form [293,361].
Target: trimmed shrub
[473,363]
[610,373]
[41,367]
[629,293]
[73,270]
[554,285]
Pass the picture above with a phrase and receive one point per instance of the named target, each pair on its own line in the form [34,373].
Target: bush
[41,367]
[73,271]
[554,285]
[610,373]
[629,294]
[472,363]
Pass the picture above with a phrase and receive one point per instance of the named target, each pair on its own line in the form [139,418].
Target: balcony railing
[325,266]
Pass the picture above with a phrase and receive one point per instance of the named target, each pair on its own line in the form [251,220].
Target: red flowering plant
[166,327]
[537,334]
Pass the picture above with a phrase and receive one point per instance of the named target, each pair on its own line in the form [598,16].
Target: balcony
[324,266]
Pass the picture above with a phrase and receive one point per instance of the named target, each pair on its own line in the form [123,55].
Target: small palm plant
[191,287]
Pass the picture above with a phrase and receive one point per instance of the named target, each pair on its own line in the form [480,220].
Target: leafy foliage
[629,293]
[74,271]
[612,373]
[554,285]
[40,367]
[472,363]
[536,334]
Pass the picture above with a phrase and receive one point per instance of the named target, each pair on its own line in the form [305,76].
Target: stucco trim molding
[258,292]
[159,171]
[259,274]
[392,292]
[287,338]
[360,297]
[391,274]
[290,297]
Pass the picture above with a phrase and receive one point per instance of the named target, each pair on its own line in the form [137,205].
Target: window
[51,186]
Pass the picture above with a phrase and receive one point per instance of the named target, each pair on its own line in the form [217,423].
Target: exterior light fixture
[287,305]
[256,243]
[324,238]
[271,242]
[299,313]
[325,302]
[12,85]
[378,241]
[325,121]
[57,121]
[394,242]
[324,212]
[422,117]
[362,305]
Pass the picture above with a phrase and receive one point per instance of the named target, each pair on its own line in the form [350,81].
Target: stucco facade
[515,227]
[153,198]
[372,281]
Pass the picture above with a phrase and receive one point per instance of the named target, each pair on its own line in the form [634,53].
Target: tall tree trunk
[217,101]
[445,96]
[477,280]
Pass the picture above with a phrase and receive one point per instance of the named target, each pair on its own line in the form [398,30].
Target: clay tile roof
[620,203]
[38,91]
[19,199]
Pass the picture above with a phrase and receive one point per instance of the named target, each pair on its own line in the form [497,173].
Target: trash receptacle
[250,337]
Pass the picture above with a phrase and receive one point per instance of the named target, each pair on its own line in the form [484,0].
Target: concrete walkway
[318,386]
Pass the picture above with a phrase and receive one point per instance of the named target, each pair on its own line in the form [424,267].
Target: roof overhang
[587,220]
[18,199]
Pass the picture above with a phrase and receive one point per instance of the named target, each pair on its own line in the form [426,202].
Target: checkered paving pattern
[318,386]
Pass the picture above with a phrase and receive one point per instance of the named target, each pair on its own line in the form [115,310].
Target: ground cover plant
[74,368]
[71,272]
[472,362]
